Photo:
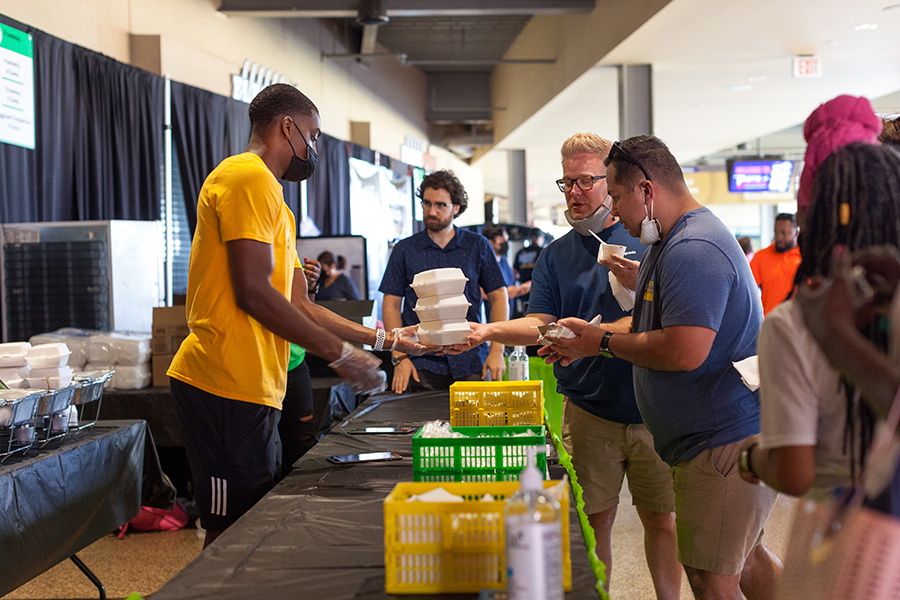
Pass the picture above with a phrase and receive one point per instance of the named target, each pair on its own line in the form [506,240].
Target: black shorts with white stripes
[231,447]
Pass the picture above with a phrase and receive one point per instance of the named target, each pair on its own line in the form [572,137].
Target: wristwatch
[604,345]
[396,360]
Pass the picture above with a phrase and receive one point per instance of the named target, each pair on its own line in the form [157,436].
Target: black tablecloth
[60,499]
[320,532]
[331,396]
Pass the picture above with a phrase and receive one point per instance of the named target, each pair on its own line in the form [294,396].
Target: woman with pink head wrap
[838,122]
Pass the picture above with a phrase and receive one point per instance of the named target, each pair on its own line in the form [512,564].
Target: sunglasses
[617,152]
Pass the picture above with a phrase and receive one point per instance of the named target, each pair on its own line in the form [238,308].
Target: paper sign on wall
[16,87]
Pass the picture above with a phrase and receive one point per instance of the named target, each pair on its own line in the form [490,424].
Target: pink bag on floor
[157,519]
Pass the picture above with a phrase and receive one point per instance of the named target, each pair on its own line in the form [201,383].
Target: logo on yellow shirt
[648,293]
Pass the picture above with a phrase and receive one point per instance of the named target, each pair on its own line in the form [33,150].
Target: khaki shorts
[719,516]
[604,451]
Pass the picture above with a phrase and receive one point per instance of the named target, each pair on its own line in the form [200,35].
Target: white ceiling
[701,48]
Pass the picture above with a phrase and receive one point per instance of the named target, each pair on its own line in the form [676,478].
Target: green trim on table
[587,531]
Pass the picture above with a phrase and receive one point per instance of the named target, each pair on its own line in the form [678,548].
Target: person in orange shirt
[774,267]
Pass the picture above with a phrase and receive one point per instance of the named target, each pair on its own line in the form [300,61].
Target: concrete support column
[635,100]
[767,214]
[518,201]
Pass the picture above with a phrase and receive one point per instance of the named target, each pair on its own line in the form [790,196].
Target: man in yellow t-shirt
[247,299]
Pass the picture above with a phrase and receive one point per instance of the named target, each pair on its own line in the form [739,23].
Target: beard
[781,248]
[437,224]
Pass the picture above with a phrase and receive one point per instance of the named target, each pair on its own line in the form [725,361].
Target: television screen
[760,175]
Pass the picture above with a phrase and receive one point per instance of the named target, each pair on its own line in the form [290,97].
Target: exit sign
[806,67]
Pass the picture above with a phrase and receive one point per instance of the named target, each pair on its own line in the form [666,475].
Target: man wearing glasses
[602,428]
[697,312]
[443,245]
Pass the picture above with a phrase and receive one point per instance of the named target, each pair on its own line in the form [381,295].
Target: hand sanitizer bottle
[518,365]
[533,526]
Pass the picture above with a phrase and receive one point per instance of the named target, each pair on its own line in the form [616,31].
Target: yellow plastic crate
[453,547]
[492,403]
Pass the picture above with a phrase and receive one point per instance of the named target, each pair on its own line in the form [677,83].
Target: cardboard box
[169,329]
[161,364]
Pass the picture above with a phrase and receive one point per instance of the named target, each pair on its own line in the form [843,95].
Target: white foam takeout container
[51,378]
[14,377]
[13,354]
[48,383]
[443,333]
[449,281]
[442,308]
[46,356]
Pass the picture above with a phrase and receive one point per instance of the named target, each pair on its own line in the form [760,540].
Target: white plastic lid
[531,478]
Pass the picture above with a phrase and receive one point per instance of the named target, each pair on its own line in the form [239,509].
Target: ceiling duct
[371,16]
[371,12]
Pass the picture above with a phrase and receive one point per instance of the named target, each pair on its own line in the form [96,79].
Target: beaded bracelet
[379,339]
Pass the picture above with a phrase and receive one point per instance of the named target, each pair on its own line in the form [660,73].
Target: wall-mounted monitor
[759,175]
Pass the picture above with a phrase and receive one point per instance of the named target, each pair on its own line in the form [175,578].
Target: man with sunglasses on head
[443,245]
[697,312]
[602,428]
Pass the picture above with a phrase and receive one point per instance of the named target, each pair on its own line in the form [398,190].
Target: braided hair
[855,202]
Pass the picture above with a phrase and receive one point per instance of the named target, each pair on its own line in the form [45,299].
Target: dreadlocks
[855,202]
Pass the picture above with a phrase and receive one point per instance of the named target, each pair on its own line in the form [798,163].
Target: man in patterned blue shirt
[443,245]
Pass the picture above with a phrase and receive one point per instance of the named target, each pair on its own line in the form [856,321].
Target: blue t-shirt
[509,278]
[468,251]
[700,277]
[341,288]
[567,281]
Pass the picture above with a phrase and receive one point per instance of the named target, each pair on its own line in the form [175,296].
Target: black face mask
[504,248]
[299,169]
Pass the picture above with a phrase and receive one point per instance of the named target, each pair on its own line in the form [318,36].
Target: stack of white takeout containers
[442,306]
[13,368]
[49,366]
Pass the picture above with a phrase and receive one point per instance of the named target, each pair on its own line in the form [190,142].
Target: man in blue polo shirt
[443,245]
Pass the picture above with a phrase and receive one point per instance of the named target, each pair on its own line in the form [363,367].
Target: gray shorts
[603,452]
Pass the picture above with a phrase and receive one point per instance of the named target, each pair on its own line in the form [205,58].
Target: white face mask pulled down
[649,226]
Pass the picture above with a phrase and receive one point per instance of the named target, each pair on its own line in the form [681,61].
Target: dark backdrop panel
[207,128]
[99,130]
[329,188]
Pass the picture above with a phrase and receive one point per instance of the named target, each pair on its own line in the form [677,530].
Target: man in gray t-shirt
[696,311]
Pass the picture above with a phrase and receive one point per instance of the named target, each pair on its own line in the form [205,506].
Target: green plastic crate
[492,457]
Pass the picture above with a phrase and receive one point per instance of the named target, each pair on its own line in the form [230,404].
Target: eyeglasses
[584,183]
[441,206]
[617,152]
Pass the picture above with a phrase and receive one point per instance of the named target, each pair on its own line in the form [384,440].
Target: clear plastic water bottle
[518,365]
[533,523]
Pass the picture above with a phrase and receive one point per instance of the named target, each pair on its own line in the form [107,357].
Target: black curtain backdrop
[328,189]
[99,145]
[207,128]
[99,132]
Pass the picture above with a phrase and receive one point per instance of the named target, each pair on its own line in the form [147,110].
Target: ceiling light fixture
[866,27]
[756,79]
[891,7]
